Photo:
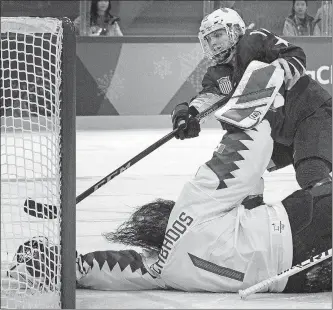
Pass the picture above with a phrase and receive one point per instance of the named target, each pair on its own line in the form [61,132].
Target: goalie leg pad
[255,94]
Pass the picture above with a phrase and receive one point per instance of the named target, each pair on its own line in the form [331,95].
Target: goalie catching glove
[183,117]
[256,93]
[35,264]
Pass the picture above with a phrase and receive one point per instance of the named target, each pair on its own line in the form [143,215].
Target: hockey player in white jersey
[218,236]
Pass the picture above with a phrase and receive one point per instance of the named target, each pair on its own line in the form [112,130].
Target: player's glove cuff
[193,111]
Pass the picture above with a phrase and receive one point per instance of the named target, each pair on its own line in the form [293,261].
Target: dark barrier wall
[149,76]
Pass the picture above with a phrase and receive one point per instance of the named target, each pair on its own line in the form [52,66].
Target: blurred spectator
[231,5]
[228,4]
[299,23]
[323,20]
[102,22]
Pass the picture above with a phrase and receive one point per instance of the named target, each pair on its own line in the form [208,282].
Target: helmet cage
[233,35]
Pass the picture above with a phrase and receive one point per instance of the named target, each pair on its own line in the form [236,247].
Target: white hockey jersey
[212,243]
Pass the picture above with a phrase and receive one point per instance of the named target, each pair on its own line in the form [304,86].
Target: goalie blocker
[246,111]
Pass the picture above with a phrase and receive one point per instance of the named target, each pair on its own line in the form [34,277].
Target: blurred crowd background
[179,18]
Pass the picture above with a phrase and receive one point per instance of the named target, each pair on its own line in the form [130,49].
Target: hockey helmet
[222,20]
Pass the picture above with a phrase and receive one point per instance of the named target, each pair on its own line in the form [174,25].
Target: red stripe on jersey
[256,83]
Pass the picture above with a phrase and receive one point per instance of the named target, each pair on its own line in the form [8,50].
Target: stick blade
[39,210]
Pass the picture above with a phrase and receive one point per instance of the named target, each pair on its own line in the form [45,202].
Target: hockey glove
[183,117]
[35,263]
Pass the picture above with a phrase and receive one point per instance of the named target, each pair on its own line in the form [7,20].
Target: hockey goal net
[37,162]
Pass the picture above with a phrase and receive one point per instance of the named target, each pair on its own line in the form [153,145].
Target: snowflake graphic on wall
[186,67]
[162,67]
[104,84]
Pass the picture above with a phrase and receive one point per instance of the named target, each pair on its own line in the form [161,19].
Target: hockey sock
[299,207]
[315,238]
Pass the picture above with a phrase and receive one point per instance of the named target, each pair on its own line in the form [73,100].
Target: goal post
[37,108]
[68,168]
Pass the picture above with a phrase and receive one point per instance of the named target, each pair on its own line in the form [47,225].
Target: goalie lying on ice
[219,236]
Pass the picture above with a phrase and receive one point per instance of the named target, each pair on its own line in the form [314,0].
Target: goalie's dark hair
[146,227]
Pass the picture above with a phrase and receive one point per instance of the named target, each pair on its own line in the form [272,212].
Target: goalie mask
[219,33]
[35,264]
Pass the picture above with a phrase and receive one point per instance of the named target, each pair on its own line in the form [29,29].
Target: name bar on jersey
[219,270]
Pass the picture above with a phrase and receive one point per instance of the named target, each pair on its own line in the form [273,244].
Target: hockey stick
[286,273]
[45,211]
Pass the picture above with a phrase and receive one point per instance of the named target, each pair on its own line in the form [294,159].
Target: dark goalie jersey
[302,94]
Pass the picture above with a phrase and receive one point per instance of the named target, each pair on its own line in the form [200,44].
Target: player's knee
[312,170]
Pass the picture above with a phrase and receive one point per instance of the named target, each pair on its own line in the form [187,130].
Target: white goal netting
[30,161]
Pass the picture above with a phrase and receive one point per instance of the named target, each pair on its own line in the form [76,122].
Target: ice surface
[161,174]
[180,300]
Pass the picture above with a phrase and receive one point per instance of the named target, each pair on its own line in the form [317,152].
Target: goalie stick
[286,273]
[46,211]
